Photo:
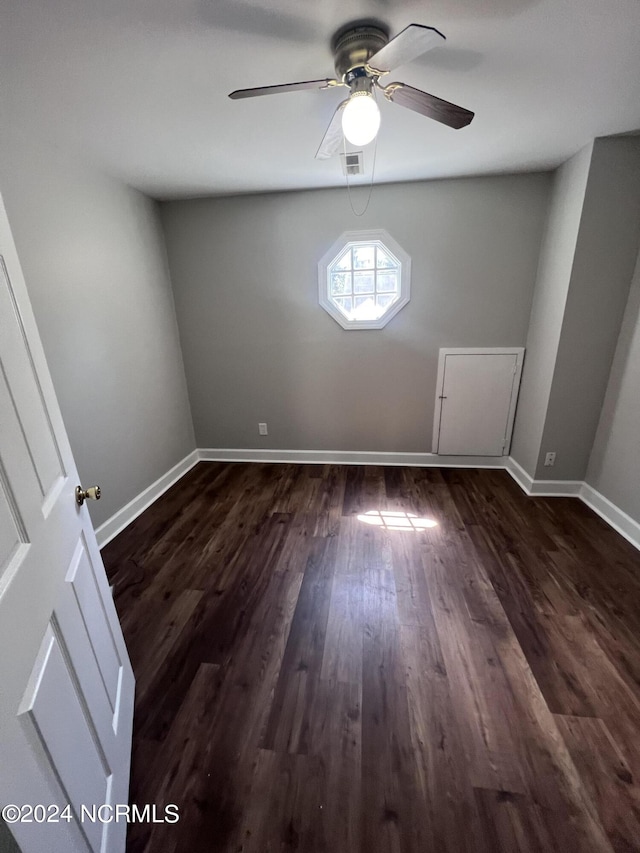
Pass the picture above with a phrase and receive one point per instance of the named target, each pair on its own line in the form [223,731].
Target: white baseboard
[556,488]
[613,515]
[349,457]
[114,525]
[542,488]
[519,475]
[606,509]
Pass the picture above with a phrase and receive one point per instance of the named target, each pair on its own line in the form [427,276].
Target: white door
[475,405]
[66,685]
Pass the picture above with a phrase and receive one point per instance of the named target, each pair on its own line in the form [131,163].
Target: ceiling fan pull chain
[373,172]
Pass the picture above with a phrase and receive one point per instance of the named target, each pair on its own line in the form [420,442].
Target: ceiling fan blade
[406,46]
[428,105]
[284,87]
[333,136]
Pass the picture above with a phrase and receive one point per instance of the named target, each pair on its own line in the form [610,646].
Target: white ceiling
[139,87]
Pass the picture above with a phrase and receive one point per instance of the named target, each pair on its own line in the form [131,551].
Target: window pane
[363,257]
[345,305]
[385,299]
[363,282]
[387,282]
[345,262]
[340,283]
[359,301]
[383,260]
[365,308]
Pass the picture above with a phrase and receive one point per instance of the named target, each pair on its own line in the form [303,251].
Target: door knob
[92,493]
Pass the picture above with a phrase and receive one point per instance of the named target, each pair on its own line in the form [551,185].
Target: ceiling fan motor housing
[354,46]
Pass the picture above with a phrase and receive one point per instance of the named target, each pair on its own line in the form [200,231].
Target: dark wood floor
[310,681]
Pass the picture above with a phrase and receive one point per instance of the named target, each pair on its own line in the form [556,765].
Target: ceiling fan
[363,53]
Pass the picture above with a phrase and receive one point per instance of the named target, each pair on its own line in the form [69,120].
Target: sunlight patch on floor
[394,520]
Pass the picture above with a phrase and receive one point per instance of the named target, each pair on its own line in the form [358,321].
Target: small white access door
[476,398]
[66,685]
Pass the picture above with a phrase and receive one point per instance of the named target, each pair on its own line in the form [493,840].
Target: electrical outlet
[550,459]
[262,429]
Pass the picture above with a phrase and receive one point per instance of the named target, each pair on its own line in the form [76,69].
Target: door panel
[26,392]
[476,402]
[87,598]
[100,684]
[53,704]
[66,697]
[20,480]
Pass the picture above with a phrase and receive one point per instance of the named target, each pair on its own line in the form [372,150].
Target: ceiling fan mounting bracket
[354,45]
[388,91]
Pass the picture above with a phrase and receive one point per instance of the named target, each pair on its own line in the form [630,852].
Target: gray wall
[605,256]
[547,312]
[94,260]
[257,346]
[614,467]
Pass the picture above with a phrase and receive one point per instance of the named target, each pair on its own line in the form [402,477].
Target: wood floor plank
[481,695]
[178,774]
[330,501]
[445,788]
[299,680]
[237,716]
[513,822]
[342,655]
[392,801]
[287,806]
[155,648]
[335,737]
[607,777]
[364,489]
[315,678]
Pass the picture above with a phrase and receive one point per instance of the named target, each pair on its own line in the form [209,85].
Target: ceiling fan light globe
[361,119]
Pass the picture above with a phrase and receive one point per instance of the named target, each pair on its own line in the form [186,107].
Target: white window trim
[330,256]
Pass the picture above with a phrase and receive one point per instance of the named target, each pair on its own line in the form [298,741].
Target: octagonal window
[364,279]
